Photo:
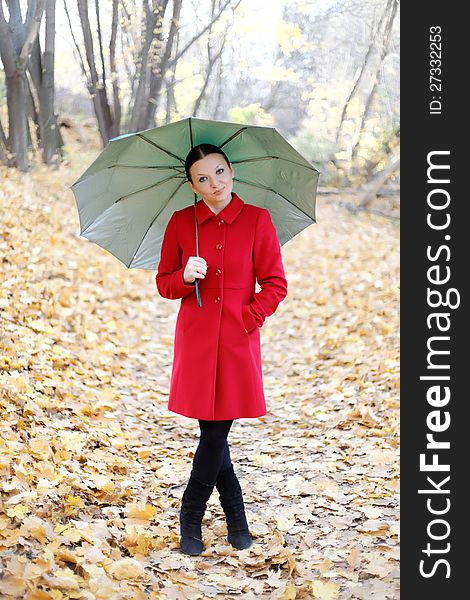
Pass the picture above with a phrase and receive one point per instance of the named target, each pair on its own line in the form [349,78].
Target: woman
[217,373]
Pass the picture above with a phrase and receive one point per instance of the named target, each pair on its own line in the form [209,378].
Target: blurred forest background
[325,74]
[92,464]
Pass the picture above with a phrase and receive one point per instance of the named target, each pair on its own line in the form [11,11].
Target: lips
[219,191]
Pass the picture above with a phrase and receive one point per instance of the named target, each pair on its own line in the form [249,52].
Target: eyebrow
[219,165]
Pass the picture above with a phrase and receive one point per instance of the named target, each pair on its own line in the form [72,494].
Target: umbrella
[128,194]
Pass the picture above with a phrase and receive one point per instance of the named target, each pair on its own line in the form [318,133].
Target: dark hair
[200,151]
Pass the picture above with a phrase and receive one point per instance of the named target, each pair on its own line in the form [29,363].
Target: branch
[362,71]
[32,24]
[77,48]
[198,35]
[100,42]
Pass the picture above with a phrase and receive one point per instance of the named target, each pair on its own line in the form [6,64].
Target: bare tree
[16,42]
[170,83]
[218,93]
[165,63]
[41,69]
[153,57]
[270,101]
[393,8]
[107,115]
[212,58]
[152,35]
[376,37]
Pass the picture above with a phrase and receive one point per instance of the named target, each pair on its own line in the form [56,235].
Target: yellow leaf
[284,523]
[40,325]
[39,447]
[290,593]
[75,501]
[13,586]
[136,511]
[36,528]
[19,511]
[43,484]
[354,558]
[261,459]
[22,385]
[103,483]
[325,565]
[127,568]
[324,591]
[72,534]
[62,578]
[144,452]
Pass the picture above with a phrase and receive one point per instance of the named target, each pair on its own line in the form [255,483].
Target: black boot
[193,506]
[231,499]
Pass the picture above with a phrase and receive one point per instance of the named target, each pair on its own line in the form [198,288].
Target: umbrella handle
[198,295]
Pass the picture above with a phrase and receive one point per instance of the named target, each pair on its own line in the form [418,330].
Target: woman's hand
[196,268]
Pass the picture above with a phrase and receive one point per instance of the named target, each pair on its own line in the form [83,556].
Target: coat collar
[228,214]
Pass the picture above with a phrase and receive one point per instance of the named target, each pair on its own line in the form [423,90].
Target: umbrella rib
[191,133]
[146,166]
[152,222]
[148,187]
[264,187]
[136,192]
[232,136]
[159,147]
[271,156]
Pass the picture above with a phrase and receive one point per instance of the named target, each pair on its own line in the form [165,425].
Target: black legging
[212,454]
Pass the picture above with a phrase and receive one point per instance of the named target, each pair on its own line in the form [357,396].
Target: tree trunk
[154,23]
[41,68]
[17,119]
[270,101]
[16,41]
[170,89]
[211,61]
[116,122]
[96,89]
[159,67]
[377,182]
[218,94]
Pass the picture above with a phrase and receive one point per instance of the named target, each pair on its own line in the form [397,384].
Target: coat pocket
[242,320]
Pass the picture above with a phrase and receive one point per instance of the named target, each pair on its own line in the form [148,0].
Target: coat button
[216,300]
[218,272]
[219,246]
[221,222]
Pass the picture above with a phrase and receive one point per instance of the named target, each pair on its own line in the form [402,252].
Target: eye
[219,170]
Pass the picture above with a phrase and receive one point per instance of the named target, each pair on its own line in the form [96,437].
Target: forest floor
[93,465]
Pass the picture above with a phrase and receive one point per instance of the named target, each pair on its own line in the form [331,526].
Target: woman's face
[212,179]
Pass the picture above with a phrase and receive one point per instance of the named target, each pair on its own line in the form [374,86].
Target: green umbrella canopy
[128,194]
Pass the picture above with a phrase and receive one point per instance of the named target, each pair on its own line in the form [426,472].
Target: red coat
[217,372]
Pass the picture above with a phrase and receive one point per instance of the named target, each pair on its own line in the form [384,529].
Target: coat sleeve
[269,271]
[169,278]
